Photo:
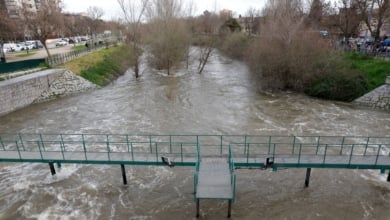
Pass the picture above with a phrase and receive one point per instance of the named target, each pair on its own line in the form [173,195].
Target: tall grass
[102,66]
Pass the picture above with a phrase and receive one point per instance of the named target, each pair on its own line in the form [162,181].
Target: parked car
[36,44]
[61,43]
[5,50]
[28,45]
[19,47]
[73,40]
[9,47]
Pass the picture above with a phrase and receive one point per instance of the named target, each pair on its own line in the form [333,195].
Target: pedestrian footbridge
[214,157]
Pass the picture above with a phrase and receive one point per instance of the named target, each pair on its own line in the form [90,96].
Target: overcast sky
[111,7]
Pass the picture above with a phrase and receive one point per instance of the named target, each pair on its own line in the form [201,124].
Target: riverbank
[19,92]
[103,66]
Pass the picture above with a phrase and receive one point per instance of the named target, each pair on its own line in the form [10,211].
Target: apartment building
[14,7]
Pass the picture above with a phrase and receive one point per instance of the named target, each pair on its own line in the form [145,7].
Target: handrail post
[43,145]
[318,144]
[247,153]
[293,150]
[108,148]
[326,148]
[350,156]
[21,141]
[365,150]
[155,143]
[300,150]
[377,155]
[84,147]
[39,148]
[132,152]
[342,145]
[62,142]
[170,143]
[274,150]
[245,140]
[127,143]
[221,146]
[181,151]
[150,144]
[17,147]
[269,144]
[2,144]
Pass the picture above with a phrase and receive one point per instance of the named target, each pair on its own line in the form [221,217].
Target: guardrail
[58,59]
[247,150]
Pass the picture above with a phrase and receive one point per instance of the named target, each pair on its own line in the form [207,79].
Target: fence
[58,59]
[20,65]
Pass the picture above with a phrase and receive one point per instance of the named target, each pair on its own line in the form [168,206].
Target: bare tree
[349,18]
[315,14]
[251,21]
[284,20]
[7,29]
[133,12]
[95,14]
[44,23]
[374,9]
[285,55]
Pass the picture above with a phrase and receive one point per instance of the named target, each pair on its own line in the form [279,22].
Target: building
[15,7]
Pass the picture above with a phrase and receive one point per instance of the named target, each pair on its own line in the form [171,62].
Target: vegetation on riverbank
[102,66]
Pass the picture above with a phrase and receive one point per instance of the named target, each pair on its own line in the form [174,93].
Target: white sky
[111,7]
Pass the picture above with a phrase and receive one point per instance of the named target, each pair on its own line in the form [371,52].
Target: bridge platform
[215,157]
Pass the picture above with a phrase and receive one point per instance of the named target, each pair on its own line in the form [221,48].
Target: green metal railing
[232,174]
[186,150]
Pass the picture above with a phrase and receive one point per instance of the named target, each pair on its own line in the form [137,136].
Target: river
[222,100]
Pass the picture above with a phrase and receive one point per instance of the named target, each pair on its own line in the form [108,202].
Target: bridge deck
[214,179]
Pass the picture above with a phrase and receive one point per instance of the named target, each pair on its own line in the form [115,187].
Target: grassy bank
[102,66]
[374,69]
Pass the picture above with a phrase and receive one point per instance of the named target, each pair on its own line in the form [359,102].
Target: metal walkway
[214,179]
[214,157]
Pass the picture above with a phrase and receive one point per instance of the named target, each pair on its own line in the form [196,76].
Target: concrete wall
[378,98]
[22,91]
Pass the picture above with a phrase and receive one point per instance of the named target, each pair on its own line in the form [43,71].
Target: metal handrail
[322,148]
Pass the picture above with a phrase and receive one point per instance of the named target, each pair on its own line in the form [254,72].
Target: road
[38,54]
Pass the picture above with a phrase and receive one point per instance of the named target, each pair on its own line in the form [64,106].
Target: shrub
[235,45]
[342,84]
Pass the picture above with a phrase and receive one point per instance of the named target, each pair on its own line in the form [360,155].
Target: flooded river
[222,100]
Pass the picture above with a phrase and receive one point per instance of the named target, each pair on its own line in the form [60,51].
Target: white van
[9,47]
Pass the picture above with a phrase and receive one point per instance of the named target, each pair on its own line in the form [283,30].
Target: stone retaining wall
[378,98]
[22,91]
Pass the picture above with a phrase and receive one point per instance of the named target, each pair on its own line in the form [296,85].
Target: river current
[222,100]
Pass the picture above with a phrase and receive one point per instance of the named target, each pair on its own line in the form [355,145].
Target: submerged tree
[133,12]
[169,35]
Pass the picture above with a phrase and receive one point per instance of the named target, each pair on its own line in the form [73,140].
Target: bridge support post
[307,180]
[197,208]
[229,208]
[52,169]
[123,174]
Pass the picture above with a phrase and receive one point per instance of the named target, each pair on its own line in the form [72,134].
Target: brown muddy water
[222,100]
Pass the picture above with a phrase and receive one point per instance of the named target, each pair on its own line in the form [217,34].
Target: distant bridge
[215,157]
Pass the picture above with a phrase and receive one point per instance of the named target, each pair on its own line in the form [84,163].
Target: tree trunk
[136,67]
[2,54]
[204,57]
